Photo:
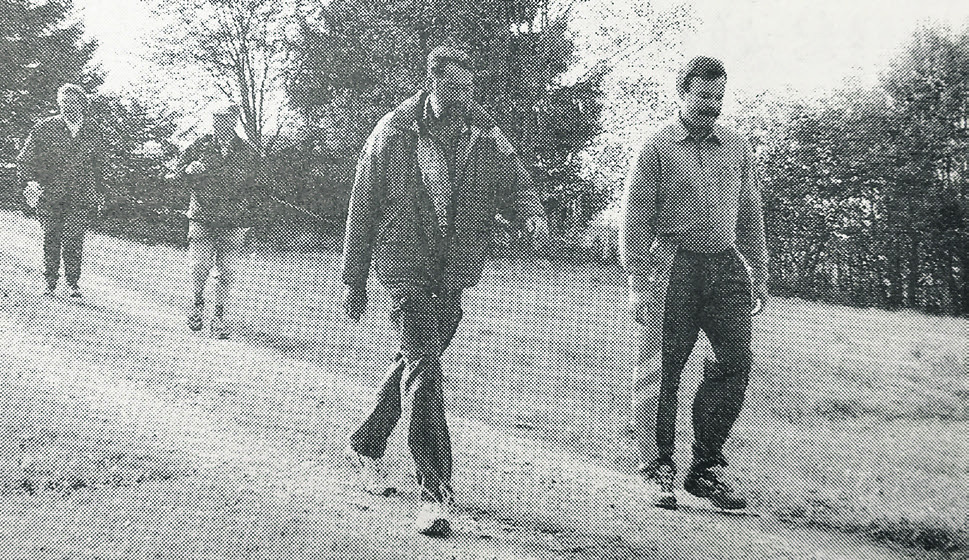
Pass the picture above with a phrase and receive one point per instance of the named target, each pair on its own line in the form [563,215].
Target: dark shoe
[708,483]
[196,317]
[660,475]
[218,329]
[49,291]
[73,291]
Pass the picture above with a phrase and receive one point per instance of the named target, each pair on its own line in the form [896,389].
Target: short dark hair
[699,67]
[443,55]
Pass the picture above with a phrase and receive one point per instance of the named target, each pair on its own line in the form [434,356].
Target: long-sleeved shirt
[702,194]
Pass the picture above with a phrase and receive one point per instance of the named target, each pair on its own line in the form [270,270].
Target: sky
[806,46]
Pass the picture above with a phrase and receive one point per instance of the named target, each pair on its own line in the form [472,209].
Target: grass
[856,420]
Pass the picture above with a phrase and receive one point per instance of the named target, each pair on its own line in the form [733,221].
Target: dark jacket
[70,170]
[225,193]
[392,219]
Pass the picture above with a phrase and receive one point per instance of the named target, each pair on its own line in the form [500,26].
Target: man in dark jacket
[429,182]
[62,166]
[221,171]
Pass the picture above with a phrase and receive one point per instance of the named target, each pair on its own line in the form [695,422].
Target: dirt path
[246,436]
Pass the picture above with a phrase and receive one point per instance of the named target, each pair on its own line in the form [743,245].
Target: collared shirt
[438,153]
[700,193]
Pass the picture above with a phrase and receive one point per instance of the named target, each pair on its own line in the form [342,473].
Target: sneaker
[218,329]
[370,473]
[660,474]
[196,317]
[432,520]
[73,291]
[708,483]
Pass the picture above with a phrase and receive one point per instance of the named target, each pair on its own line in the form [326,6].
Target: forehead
[699,85]
[452,73]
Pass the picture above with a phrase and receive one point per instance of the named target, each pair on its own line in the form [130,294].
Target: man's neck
[696,131]
[73,122]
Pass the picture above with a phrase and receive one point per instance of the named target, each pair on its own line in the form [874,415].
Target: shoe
[218,329]
[370,473]
[49,291]
[433,520]
[708,483]
[660,475]
[196,317]
[73,291]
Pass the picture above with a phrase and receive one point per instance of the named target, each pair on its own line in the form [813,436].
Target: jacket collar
[681,134]
[410,115]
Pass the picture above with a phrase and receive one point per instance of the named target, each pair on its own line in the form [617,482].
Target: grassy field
[856,420]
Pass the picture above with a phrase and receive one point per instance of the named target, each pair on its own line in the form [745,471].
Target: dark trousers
[712,293]
[64,236]
[425,325]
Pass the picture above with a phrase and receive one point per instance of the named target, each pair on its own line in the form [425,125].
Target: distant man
[62,165]
[221,170]
[429,182]
[692,242]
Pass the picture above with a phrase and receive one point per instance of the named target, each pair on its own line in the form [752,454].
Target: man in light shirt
[62,165]
[692,242]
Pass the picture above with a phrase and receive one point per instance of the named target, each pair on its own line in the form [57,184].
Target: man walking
[429,182]
[62,165]
[692,242]
[221,170]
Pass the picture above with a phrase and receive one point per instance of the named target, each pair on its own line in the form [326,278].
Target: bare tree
[241,45]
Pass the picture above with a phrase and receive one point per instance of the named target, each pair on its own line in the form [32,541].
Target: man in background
[62,164]
[221,171]
[692,242]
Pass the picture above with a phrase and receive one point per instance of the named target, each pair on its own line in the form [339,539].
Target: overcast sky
[807,45]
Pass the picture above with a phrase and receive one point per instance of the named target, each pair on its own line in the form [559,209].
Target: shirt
[702,194]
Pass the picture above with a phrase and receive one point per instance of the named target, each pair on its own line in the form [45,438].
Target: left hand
[537,226]
[759,297]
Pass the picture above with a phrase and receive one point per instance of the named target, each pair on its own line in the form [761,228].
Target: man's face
[223,126]
[454,89]
[71,104]
[703,100]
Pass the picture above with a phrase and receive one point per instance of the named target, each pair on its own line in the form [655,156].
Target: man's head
[701,84]
[452,79]
[224,123]
[72,101]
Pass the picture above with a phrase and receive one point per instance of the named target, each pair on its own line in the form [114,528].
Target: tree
[358,60]
[237,47]
[40,50]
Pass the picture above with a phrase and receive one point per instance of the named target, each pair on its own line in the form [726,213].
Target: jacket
[392,219]
[70,170]
[225,193]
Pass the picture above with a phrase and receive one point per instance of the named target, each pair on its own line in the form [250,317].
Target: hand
[537,226]
[354,302]
[759,297]
[195,167]
[32,193]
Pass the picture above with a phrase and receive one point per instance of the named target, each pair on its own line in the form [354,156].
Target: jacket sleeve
[638,225]
[99,163]
[29,158]
[750,222]
[364,207]
[516,186]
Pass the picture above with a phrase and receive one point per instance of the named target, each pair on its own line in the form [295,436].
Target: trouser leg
[53,227]
[228,253]
[429,438]
[201,254]
[371,437]
[680,332]
[75,227]
[725,320]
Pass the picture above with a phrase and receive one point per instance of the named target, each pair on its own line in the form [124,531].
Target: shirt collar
[681,134]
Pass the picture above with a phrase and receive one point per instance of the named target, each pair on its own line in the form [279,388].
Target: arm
[518,189]
[638,226]
[29,157]
[363,210]
[750,227]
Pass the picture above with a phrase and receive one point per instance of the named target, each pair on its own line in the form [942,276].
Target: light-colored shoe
[73,291]
[433,520]
[371,476]
[218,328]
[659,476]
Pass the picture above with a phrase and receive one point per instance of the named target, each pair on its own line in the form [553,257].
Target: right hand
[195,167]
[354,302]
[32,193]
